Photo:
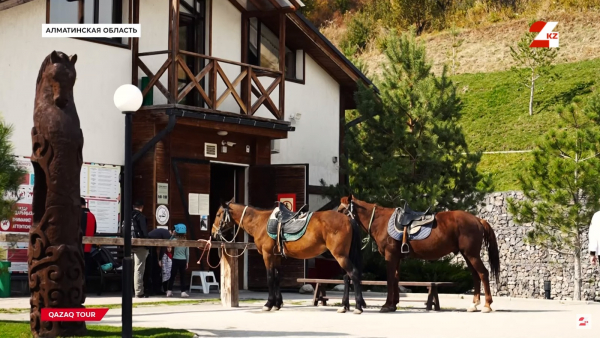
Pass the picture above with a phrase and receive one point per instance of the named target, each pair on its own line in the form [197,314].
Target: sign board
[162,193]
[99,186]
[162,215]
[198,204]
[289,200]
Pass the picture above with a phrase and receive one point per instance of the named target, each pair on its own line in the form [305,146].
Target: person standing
[139,229]
[88,229]
[181,257]
[153,268]
[166,265]
[594,238]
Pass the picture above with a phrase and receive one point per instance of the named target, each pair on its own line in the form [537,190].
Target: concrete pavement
[511,318]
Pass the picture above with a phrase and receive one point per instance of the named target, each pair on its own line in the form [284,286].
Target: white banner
[91,30]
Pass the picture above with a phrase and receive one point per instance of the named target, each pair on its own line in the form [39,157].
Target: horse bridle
[226,219]
[350,208]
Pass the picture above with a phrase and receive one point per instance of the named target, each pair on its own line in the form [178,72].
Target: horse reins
[208,245]
[369,229]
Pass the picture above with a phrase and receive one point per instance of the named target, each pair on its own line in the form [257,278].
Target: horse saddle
[291,222]
[406,217]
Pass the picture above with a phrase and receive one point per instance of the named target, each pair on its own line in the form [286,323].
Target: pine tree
[532,63]
[562,186]
[410,145]
[10,174]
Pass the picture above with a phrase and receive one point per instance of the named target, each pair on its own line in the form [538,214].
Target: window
[88,12]
[264,51]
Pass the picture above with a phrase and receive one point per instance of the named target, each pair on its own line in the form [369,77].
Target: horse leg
[396,289]
[346,297]
[352,273]
[392,284]
[484,276]
[476,286]
[277,283]
[270,281]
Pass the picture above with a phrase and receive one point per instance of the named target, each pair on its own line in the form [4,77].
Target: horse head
[223,220]
[57,76]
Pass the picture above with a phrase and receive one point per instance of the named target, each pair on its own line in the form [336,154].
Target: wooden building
[243,99]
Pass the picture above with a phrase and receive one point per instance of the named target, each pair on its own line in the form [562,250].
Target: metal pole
[126,313]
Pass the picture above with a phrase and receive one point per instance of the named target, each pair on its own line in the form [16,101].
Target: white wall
[316,202]
[227,44]
[22,50]
[316,138]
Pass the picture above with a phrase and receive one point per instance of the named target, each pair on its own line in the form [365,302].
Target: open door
[267,183]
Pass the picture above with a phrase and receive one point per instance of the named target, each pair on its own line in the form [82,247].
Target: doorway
[192,38]
[227,181]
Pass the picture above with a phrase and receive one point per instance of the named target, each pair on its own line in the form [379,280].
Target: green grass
[118,306]
[495,114]
[12,329]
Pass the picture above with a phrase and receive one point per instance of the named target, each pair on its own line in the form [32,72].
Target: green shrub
[360,29]
[443,270]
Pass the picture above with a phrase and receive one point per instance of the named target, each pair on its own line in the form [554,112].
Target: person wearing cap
[88,229]
[181,258]
[139,229]
[594,238]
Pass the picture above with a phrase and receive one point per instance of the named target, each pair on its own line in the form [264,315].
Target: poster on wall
[289,200]
[203,222]
[99,186]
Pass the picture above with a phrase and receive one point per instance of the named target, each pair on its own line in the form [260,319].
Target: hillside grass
[495,117]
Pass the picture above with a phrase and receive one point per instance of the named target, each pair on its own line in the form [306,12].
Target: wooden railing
[250,96]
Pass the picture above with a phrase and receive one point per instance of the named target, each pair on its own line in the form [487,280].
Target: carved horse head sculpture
[57,77]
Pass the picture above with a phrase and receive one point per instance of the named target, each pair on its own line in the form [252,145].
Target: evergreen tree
[10,174]
[532,63]
[562,186]
[410,145]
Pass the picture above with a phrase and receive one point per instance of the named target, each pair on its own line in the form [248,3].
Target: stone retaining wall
[523,267]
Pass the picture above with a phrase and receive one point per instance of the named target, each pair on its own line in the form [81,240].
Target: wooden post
[316,295]
[246,82]
[282,65]
[173,75]
[230,293]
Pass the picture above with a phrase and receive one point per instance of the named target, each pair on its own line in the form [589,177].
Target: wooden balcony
[251,87]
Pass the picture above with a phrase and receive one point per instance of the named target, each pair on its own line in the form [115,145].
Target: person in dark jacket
[88,228]
[153,269]
[139,229]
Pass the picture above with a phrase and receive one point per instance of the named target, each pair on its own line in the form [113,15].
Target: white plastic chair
[205,283]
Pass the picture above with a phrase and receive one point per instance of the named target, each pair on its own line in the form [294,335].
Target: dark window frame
[117,14]
[260,24]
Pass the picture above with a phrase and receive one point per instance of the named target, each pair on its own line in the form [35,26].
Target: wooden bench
[433,300]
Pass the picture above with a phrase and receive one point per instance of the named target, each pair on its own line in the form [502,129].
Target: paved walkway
[512,318]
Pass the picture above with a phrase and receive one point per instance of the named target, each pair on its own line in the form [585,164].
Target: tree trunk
[531,95]
[577,282]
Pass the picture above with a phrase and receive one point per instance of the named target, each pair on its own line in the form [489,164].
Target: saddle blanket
[414,234]
[292,231]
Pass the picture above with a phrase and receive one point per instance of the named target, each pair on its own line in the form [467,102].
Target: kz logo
[547,38]
[584,321]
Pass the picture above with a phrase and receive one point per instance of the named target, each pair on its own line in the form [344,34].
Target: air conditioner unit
[275,146]
[210,150]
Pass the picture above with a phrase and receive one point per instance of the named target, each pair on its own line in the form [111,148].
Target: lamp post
[128,99]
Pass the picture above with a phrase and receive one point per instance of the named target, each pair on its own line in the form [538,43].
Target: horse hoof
[357,311]
[386,309]
[471,309]
[275,308]
[486,309]
[341,310]
[266,308]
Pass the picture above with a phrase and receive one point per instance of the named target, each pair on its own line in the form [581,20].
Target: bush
[360,30]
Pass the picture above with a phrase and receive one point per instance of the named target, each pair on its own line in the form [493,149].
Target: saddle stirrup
[404,248]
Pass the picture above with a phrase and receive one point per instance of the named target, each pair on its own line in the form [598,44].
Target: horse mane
[47,61]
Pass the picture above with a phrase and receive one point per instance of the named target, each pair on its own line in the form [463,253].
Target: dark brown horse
[452,232]
[327,230]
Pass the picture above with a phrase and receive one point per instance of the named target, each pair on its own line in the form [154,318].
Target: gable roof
[6,4]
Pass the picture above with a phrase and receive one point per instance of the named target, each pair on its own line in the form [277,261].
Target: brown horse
[452,232]
[327,230]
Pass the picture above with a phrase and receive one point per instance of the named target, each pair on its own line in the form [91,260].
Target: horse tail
[489,239]
[355,255]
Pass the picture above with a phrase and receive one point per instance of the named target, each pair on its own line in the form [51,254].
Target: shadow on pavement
[246,333]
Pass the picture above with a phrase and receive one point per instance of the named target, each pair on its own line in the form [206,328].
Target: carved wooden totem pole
[55,254]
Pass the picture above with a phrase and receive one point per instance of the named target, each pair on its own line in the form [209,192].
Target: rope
[232,256]
[369,231]
[207,248]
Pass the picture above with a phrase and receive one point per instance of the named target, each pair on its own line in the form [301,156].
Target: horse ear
[350,197]
[344,200]
[54,57]
[73,59]
[232,200]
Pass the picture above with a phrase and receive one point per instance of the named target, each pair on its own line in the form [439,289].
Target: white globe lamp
[128,98]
